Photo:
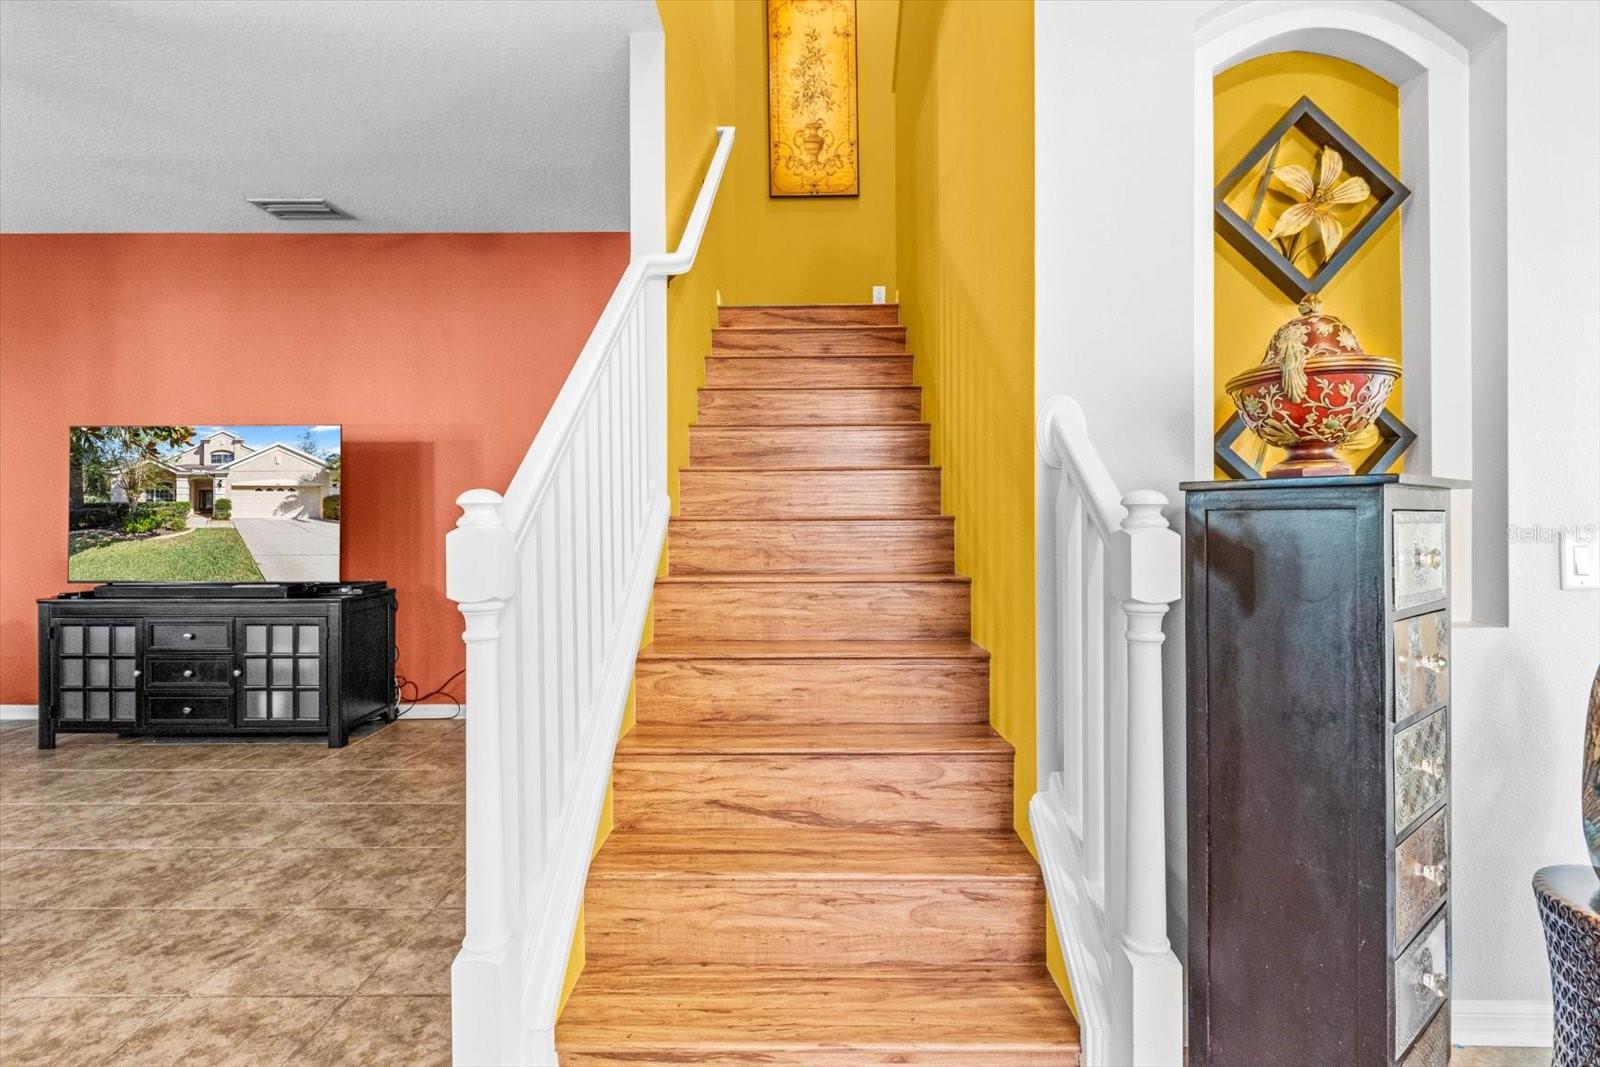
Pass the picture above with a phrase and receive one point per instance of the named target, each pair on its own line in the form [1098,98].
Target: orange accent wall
[439,354]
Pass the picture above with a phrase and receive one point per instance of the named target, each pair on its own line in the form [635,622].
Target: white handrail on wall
[554,581]
[1098,816]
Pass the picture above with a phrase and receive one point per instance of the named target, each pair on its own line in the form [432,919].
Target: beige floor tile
[393,878]
[160,953]
[329,785]
[162,757]
[235,825]
[421,965]
[376,825]
[423,785]
[142,878]
[316,953]
[281,757]
[34,945]
[373,757]
[225,786]
[38,878]
[227,1032]
[448,757]
[53,1031]
[70,785]
[457,897]
[269,878]
[83,826]
[392,1031]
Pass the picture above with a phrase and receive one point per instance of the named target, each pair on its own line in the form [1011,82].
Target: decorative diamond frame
[1395,437]
[1312,121]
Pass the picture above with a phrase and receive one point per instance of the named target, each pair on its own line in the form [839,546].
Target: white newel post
[1154,977]
[480,576]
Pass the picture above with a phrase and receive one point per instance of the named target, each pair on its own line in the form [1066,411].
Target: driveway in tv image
[292,550]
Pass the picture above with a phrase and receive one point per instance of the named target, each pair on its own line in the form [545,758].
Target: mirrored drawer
[1421,981]
[191,634]
[1421,873]
[1419,564]
[1420,769]
[1421,663]
[1432,1049]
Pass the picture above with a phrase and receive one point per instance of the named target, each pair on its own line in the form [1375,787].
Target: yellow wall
[1248,99]
[813,249]
[964,121]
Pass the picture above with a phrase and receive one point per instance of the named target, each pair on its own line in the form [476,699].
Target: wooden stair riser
[757,494]
[809,339]
[810,315]
[787,447]
[782,372]
[759,1053]
[715,692]
[815,611]
[814,922]
[810,546]
[799,407]
[864,791]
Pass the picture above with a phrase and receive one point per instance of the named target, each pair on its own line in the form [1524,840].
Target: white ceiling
[413,115]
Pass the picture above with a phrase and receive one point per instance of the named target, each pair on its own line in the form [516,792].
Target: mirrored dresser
[1318,620]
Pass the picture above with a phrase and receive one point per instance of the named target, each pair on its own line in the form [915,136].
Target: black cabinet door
[95,671]
[283,664]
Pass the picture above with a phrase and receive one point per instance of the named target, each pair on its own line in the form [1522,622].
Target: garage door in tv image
[237,503]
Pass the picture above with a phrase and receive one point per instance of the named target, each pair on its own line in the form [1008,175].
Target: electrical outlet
[880,294]
[1580,559]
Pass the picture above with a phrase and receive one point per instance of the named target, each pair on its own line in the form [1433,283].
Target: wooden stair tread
[698,648]
[791,353]
[846,306]
[864,578]
[805,853]
[843,739]
[712,1009]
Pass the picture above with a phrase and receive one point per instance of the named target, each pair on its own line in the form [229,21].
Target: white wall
[1114,283]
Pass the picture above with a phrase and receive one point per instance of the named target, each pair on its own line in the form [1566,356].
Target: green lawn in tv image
[206,555]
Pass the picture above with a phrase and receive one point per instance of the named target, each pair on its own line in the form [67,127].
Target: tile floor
[244,904]
[223,904]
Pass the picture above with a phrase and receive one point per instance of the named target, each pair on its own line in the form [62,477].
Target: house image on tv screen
[275,482]
[223,503]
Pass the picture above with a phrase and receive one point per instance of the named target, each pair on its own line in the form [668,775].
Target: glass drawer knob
[1433,872]
[1435,983]
[188,637]
[1431,558]
[188,674]
[1436,662]
[187,709]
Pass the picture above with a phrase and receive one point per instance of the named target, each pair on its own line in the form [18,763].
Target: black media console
[310,658]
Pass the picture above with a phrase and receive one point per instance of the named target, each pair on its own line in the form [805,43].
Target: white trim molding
[18,712]
[1497,1023]
[1098,820]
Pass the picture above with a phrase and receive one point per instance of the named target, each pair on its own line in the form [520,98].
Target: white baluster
[480,576]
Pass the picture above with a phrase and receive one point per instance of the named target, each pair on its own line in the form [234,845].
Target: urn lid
[1313,339]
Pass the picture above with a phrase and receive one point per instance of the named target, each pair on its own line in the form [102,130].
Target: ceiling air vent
[298,210]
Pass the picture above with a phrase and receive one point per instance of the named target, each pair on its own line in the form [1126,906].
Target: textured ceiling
[413,115]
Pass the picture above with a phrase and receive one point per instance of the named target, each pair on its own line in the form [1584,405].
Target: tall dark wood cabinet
[1319,832]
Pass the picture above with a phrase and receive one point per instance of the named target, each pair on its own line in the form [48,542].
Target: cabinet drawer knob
[1433,872]
[188,673]
[187,709]
[1435,983]
[137,672]
[1432,558]
[188,637]
[1436,662]
[237,672]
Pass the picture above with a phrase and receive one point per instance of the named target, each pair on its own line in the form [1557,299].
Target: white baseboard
[1522,1023]
[18,712]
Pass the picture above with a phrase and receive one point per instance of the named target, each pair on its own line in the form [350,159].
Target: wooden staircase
[813,859]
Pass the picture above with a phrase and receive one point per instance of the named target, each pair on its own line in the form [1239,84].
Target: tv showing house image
[204,504]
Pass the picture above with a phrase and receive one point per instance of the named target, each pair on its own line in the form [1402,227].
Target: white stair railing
[554,581]
[1098,817]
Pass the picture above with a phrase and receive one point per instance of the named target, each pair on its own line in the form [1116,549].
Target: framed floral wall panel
[811,98]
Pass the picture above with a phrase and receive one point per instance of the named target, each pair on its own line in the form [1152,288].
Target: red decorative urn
[1314,390]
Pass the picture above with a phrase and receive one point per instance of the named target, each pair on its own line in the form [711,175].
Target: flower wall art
[812,115]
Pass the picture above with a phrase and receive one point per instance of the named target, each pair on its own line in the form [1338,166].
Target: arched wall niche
[1448,61]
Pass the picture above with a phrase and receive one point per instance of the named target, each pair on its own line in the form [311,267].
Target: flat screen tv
[203,504]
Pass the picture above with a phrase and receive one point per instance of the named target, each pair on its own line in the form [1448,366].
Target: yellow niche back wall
[1247,100]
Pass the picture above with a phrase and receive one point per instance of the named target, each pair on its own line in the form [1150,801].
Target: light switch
[1580,558]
